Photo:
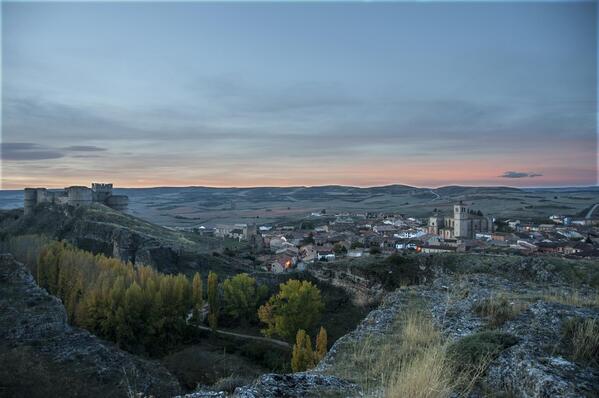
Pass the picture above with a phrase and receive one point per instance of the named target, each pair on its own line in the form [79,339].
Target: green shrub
[265,355]
[406,269]
[471,352]
[230,383]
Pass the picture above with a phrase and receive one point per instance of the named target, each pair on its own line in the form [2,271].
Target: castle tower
[79,196]
[101,192]
[33,197]
[30,200]
[461,226]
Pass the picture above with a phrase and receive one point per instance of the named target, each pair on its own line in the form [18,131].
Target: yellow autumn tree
[197,296]
[321,344]
[213,300]
[302,357]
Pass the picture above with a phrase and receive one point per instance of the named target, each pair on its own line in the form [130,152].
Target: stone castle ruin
[75,196]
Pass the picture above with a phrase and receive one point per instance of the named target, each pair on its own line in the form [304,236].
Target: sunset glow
[245,95]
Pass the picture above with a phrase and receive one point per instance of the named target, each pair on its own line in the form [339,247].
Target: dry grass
[582,339]
[428,375]
[412,361]
[417,332]
[499,309]
[373,361]
[574,298]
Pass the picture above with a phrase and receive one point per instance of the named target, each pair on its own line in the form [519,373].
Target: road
[436,194]
[249,337]
[590,213]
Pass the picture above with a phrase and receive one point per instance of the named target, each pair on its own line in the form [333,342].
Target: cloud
[23,151]
[520,174]
[84,148]
[28,151]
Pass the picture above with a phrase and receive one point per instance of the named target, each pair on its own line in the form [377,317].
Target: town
[325,237]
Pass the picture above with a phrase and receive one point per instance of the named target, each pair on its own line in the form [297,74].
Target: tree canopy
[297,305]
[242,296]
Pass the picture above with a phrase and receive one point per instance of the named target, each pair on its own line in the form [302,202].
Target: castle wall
[42,195]
[117,202]
[101,192]
[74,196]
[79,196]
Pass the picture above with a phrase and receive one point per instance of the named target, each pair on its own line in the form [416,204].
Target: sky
[279,94]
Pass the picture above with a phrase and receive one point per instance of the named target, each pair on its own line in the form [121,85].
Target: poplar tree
[302,357]
[197,296]
[213,300]
[321,344]
[137,307]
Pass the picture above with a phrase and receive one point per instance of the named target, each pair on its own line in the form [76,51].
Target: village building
[325,255]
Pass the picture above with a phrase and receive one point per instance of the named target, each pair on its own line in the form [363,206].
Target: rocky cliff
[368,281]
[535,366]
[542,297]
[41,355]
[100,229]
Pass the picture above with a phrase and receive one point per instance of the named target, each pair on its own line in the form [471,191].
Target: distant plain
[195,206]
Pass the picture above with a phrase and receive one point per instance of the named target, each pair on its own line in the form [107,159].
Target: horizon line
[324,185]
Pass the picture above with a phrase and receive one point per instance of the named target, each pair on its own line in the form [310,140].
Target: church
[464,224]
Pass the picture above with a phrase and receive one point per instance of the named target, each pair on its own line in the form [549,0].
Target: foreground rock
[41,355]
[298,385]
[295,385]
[535,367]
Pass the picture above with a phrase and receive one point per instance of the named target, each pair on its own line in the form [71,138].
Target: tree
[302,357]
[242,296]
[139,308]
[197,296]
[49,266]
[308,239]
[298,305]
[375,250]
[131,324]
[321,344]
[307,224]
[355,244]
[213,300]
[339,249]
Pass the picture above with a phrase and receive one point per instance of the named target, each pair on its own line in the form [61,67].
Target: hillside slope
[100,229]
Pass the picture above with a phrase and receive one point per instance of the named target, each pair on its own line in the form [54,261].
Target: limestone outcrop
[99,229]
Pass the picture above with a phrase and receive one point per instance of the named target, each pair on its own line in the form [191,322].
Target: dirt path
[249,337]
[590,213]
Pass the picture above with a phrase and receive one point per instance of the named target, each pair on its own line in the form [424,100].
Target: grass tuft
[428,375]
[580,337]
[573,298]
[498,310]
